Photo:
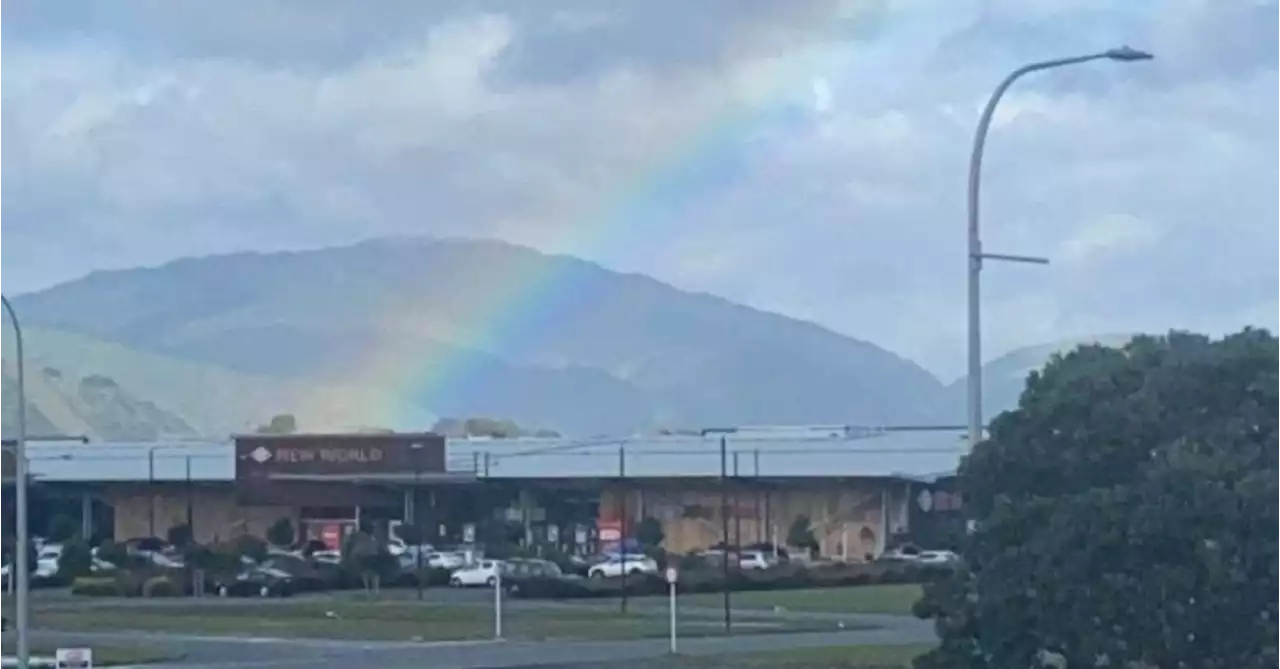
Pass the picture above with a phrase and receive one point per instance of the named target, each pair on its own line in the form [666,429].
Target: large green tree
[1126,514]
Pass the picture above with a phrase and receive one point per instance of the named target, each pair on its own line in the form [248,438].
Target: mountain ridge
[457,327]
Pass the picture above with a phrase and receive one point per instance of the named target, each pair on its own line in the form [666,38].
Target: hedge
[160,586]
[786,577]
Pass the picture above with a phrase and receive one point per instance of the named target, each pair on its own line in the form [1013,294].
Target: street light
[723,433]
[20,561]
[1122,54]
[416,449]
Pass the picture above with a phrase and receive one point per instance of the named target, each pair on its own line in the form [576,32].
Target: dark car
[256,582]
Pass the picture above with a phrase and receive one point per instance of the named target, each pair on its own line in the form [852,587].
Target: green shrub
[112,552]
[96,586]
[281,533]
[249,546]
[75,559]
[160,586]
[179,535]
[61,528]
[129,582]
[711,580]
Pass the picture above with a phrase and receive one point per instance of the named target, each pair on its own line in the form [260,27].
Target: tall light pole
[1123,54]
[416,449]
[20,560]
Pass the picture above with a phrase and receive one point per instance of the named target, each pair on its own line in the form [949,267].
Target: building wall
[847,517]
[216,513]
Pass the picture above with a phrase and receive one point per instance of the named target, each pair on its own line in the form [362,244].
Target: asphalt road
[203,652]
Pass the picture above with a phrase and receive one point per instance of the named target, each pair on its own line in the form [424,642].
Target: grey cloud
[680,141]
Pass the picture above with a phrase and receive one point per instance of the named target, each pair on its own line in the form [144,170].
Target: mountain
[93,406]
[1004,378]
[208,399]
[466,327]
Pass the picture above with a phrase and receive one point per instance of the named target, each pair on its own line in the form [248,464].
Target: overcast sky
[804,157]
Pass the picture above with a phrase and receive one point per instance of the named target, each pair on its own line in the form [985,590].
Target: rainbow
[704,154]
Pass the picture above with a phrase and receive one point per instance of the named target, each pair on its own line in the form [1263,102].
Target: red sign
[331,535]
[609,530]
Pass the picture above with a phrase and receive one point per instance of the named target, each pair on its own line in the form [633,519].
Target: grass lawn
[859,599]
[385,620]
[834,657]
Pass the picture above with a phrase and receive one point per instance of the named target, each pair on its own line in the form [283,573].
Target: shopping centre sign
[271,456]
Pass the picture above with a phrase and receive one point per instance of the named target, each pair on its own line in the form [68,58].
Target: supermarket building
[857,486]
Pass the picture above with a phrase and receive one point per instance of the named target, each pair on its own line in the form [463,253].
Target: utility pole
[417,519]
[724,527]
[737,515]
[151,491]
[21,566]
[191,525]
[622,519]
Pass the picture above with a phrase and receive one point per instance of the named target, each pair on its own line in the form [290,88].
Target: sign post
[672,577]
[497,601]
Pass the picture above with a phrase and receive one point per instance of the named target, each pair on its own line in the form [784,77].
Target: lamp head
[1127,54]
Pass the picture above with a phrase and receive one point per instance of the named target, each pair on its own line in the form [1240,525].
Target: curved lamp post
[1123,54]
[21,568]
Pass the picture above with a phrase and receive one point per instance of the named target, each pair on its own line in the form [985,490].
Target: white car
[445,560]
[47,557]
[756,560]
[617,565]
[486,573]
[936,557]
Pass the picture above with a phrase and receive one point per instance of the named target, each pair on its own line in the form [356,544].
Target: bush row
[787,577]
[307,577]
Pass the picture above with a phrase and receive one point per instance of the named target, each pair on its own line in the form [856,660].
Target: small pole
[671,588]
[191,525]
[724,525]
[497,600]
[151,491]
[737,515]
[622,518]
[417,521]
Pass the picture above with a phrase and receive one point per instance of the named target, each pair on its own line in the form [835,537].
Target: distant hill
[191,398]
[461,328]
[93,406]
[1004,378]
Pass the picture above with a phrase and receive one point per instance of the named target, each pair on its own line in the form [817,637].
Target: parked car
[620,564]
[47,560]
[905,553]
[520,571]
[937,557]
[485,572]
[445,560]
[756,560]
[256,581]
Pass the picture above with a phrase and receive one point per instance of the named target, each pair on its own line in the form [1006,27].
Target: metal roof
[915,455]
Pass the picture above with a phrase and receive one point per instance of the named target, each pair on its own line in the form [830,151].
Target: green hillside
[178,396]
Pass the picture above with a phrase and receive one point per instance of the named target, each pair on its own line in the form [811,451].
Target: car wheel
[636,572]
[223,591]
[491,581]
[264,591]
[597,574]
[455,582]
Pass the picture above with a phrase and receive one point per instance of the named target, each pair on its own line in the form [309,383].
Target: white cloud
[1110,234]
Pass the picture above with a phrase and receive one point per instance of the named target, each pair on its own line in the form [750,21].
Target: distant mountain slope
[190,397]
[488,328]
[93,406]
[1004,378]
